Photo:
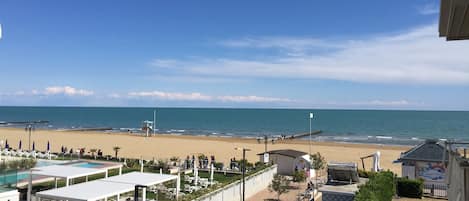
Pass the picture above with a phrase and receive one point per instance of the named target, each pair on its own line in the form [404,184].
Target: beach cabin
[288,161]
[425,161]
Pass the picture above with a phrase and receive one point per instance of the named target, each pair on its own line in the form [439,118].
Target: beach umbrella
[19,146]
[34,145]
[376,159]
[48,146]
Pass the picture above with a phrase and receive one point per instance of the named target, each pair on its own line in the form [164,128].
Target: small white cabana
[102,189]
[66,172]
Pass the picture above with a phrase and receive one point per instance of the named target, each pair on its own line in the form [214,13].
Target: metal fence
[435,190]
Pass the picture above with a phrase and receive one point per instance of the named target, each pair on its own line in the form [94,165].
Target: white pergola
[102,189]
[67,172]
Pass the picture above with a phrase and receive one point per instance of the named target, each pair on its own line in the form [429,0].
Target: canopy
[66,171]
[107,187]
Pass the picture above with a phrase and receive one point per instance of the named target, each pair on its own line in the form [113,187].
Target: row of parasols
[7,145]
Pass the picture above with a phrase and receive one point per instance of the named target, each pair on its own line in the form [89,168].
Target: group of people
[233,163]
[203,161]
[65,150]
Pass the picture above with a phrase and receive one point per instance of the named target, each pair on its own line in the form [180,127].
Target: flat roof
[286,152]
[141,178]
[104,188]
[93,190]
[66,171]
[454,19]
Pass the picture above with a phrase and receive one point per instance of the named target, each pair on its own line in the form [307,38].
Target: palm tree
[92,152]
[116,150]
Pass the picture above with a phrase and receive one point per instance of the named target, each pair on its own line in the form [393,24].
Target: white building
[425,161]
[289,160]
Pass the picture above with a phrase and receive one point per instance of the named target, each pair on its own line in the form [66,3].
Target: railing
[435,190]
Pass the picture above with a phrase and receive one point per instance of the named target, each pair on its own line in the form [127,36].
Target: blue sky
[300,54]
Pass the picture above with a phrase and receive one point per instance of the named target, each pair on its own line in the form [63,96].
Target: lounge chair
[188,189]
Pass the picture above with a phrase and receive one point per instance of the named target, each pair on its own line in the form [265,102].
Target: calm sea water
[372,126]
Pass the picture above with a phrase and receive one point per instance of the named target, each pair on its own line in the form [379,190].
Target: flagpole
[154,121]
[310,132]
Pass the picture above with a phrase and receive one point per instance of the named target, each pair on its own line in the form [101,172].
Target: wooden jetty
[87,129]
[303,134]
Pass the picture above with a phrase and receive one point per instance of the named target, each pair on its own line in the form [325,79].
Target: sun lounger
[188,189]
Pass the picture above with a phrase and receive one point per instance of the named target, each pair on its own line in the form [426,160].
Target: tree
[116,150]
[94,150]
[318,161]
[380,187]
[299,176]
[279,185]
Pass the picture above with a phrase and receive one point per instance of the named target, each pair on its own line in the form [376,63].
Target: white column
[55,179]
[30,185]
[144,194]
[86,178]
[67,182]
[178,185]
[107,173]
[120,170]
[105,199]
[118,197]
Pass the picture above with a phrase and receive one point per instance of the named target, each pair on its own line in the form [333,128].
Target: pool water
[88,165]
[42,163]
[13,178]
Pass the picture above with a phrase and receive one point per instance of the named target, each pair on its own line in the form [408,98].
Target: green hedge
[410,188]
[365,174]
[380,187]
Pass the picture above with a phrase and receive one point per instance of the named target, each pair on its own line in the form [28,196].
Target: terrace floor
[265,194]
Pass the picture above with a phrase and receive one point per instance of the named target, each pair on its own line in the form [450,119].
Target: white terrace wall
[233,192]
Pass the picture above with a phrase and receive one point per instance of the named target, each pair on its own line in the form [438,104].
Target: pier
[300,135]
[87,129]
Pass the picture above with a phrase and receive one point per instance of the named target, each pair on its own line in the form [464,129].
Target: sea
[349,126]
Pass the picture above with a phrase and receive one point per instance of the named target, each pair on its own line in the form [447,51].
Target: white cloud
[240,99]
[417,56]
[195,96]
[429,9]
[385,103]
[289,43]
[63,90]
[171,95]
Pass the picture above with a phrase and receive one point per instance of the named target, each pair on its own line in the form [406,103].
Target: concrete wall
[12,195]
[233,192]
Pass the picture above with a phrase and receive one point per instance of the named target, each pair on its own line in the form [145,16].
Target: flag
[311,115]
[0,31]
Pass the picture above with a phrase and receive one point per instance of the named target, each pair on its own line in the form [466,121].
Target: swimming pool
[42,163]
[13,178]
[88,165]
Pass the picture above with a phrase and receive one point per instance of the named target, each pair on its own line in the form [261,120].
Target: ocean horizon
[401,127]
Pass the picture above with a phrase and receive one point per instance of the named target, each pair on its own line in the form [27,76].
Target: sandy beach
[223,148]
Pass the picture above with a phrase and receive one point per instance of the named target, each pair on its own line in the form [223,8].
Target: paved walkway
[266,195]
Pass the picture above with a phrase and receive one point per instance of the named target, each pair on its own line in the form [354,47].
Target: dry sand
[223,148]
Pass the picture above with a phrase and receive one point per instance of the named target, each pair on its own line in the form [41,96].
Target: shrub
[318,161]
[410,188]
[279,185]
[218,166]
[380,187]
[299,176]
[365,174]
